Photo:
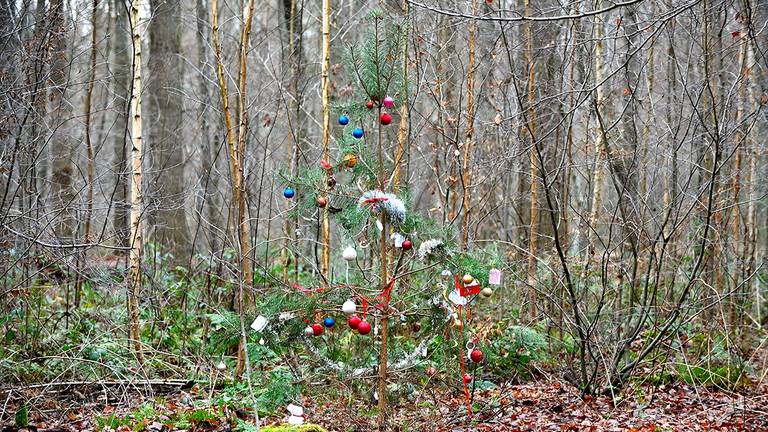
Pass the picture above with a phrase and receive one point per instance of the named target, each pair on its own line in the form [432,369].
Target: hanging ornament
[446,274]
[416,326]
[289,192]
[369,104]
[331,182]
[364,327]
[321,201]
[329,322]
[317,329]
[407,245]
[349,254]
[326,166]
[398,239]
[486,292]
[221,366]
[467,378]
[476,355]
[456,323]
[343,120]
[349,307]
[385,118]
[354,322]
[494,277]
[309,331]
[389,102]
[350,160]
[431,371]
[467,279]
[357,133]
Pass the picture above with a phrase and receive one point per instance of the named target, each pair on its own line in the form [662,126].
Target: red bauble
[317,329]
[354,321]
[476,355]
[321,202]
[385,119]
[431,371]
[364,327]
[407,245]
[369,104]
[467,378]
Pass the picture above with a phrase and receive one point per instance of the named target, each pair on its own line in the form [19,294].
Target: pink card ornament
[494,277]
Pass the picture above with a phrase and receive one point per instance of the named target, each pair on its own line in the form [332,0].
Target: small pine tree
[395,266]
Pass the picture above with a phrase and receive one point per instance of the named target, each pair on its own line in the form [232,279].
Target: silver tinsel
[389,203]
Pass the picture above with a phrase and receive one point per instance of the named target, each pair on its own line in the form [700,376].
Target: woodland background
[607,156]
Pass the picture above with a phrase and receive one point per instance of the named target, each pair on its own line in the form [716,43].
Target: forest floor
[540,405]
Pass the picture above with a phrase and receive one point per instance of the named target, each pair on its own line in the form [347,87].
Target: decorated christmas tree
[395,302]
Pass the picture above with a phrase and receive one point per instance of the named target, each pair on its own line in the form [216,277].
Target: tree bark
[167,214]
[134,278]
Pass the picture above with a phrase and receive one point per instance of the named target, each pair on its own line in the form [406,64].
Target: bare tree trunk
[168,219]
[599,146]
[134,278]
[325,85]
[402,131]
[293,17]
[752,179]
[466,169]
[120,86]
[533,237]
[207,147]
[62,169]
[237,157]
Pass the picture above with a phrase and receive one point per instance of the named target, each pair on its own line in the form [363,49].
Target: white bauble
[349,254]
[349,307]
[221,366]
[309,331]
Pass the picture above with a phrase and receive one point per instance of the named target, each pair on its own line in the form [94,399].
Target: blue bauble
[357,133]
[343,120]
[329,322]
[289,192]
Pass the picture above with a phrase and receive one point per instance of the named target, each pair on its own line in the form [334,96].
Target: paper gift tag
[494,277]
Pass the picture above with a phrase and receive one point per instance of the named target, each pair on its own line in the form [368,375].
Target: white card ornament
[399,239]
[295,410]
[297,415]
[221,366]
[259,324]
[494,277]
[379,225]
[456,298]
[285,316]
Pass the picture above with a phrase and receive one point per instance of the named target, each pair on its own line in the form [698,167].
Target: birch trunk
[134,277]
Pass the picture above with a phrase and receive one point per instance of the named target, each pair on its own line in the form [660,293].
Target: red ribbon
[375,200]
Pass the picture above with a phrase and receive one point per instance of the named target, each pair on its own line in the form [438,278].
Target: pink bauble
[389,102]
